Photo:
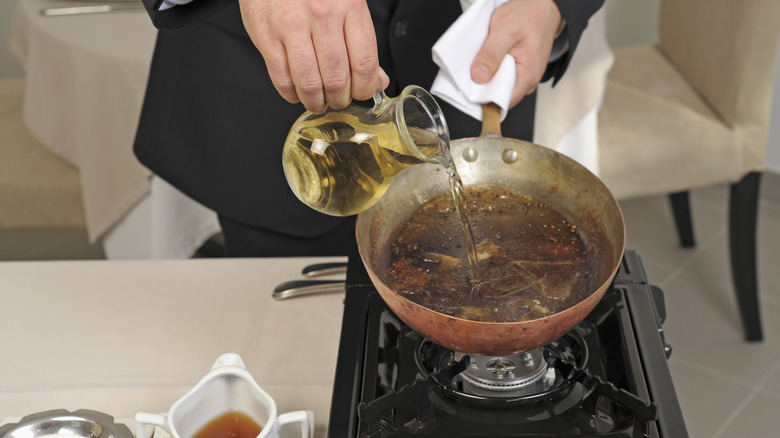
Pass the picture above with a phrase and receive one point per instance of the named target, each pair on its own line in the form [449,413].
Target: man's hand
[526,30]
[318,52]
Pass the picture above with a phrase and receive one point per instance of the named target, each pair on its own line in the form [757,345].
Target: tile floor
[727,388]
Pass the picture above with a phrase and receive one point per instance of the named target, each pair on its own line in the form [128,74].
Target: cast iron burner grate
[590,403]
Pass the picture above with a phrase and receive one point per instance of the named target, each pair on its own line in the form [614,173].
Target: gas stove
[606,377]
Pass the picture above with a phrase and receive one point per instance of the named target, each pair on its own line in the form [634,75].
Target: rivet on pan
[470,155]
[509,156]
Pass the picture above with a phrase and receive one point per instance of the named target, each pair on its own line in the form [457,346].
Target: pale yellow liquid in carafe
[341,171]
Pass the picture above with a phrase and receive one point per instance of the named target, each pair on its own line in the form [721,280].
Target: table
[127,336]
[86,79]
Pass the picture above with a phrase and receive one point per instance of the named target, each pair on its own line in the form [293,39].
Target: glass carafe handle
[380,103]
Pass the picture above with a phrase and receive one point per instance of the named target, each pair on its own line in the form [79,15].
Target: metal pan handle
[321,269]
[297,288]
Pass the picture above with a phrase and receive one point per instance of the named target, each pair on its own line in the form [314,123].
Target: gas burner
[507,376]
[494,380]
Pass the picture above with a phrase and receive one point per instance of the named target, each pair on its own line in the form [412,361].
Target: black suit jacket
[213,125]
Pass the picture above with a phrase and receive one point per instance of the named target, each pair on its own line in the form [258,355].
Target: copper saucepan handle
[491,120]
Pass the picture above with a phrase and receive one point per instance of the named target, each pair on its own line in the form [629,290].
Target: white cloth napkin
[455,51]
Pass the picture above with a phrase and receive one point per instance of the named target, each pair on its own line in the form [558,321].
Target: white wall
[773,150]
[9,65]
[633,22]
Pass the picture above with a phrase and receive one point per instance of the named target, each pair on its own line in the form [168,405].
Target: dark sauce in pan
[533,261]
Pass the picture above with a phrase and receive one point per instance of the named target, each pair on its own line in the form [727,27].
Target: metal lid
[81,423]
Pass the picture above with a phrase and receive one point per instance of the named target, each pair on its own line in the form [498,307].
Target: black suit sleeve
[183,16]
[576,13]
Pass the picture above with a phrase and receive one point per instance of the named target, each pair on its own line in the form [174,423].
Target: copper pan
[492,160]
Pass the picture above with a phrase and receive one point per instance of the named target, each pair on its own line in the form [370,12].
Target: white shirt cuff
[167,4]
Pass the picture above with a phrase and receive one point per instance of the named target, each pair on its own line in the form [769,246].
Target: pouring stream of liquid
[459,199]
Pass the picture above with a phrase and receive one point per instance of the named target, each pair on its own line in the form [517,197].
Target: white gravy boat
[228,387]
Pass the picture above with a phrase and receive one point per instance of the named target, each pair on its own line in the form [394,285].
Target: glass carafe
[341,162]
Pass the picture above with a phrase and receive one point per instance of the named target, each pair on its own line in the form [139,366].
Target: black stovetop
[612,376]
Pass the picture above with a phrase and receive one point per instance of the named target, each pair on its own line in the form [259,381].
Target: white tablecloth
[566,114]
[86,78]
[126,336]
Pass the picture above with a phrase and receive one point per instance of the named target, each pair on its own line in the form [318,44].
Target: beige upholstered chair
[693,111]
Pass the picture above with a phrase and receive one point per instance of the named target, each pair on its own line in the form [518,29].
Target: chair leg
[743,215]
[681,210]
